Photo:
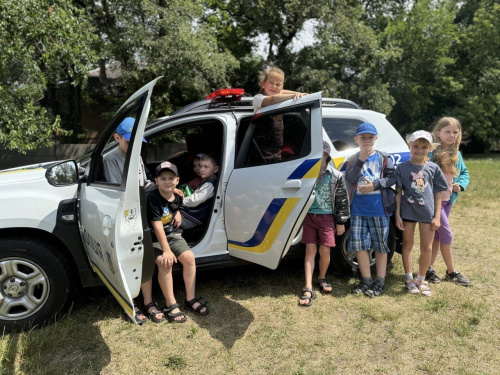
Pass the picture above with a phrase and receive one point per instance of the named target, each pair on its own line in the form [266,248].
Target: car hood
[24,173]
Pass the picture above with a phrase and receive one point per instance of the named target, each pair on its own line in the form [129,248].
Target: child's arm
[399,221]
[342,210]
[436,221]
[168,258]
[199,196]
[389,177]
[353,167]
[462,180]
[278,98]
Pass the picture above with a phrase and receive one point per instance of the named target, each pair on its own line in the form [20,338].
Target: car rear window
[341,131]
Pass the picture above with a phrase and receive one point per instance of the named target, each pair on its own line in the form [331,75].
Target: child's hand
[299,95]
[340,229]
[177,220]
[168,259]
[179,193]
[399,222]
[456,188]
[364,152]
[436,223]
[367,188]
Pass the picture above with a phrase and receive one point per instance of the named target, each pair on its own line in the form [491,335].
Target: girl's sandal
[305,297]
[411,287]
[171,316]
[322,284]
[423,287]
[155,311]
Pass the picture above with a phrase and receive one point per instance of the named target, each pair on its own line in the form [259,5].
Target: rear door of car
[266,201]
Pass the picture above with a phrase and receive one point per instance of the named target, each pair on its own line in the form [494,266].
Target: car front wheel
[34,283]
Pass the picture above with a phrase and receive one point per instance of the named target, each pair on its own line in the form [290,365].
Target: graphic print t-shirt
[369,204]
[159,209]
[419,183]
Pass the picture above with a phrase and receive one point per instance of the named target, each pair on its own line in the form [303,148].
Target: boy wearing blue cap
[369,176]
[115,160]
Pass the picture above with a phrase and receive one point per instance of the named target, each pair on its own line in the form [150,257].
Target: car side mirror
[64,173]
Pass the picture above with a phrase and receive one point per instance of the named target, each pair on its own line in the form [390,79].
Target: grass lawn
[256,327]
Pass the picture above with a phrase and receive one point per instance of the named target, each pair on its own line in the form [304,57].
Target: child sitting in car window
[197,206]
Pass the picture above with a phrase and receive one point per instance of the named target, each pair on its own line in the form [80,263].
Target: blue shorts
[367,232]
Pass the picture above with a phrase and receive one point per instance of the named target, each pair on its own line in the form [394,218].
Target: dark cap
[366,128]
[166,165]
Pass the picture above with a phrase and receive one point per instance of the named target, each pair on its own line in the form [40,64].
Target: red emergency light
[226,95]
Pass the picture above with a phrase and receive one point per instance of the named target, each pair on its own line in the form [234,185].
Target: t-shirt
[269,136]
[369,204]
[323,200]
[159,209]
[419,183]
[113,169]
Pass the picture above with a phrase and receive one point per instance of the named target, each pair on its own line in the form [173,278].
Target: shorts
[177,244]
[319,229]
[443,233]
[369,231]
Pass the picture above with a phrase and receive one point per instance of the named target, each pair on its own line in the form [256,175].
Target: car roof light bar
[226,95]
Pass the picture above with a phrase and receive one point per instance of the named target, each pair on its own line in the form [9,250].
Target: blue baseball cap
[366,127]
[125,129]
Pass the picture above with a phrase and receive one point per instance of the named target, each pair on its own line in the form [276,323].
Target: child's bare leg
[364,264]
[408,240]
[426,239]
[189,274]
[309,267]
[147,291]
[167,286]
[435,251]
[324,262]
[381,262]
[447,257]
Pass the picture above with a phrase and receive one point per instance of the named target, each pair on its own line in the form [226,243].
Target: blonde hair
[447,156]
[422,142]
[266,73]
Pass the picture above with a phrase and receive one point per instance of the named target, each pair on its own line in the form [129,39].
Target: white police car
[62,226]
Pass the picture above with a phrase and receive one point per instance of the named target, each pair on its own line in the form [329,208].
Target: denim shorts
[369,231]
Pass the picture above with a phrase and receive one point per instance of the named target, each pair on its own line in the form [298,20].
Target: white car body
[256,215]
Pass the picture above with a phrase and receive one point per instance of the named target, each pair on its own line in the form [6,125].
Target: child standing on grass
[330,201]
[419,185]
[448,133]
[270,140]
[370,175]
[163,214]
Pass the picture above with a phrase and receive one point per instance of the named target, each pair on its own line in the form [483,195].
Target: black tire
[345,263]
[34,283]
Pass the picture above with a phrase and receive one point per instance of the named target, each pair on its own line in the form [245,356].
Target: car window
[341,131]
[276,138]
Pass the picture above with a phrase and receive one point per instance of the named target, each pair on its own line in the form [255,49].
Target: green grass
[256,327]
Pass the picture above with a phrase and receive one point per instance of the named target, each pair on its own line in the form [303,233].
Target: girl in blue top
[448,134]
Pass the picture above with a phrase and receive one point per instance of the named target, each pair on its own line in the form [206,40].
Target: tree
[43,43]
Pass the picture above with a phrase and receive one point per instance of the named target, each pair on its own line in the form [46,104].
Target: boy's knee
[187,258]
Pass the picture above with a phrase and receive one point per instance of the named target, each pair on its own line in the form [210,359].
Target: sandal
[189,305]
[322,284]
[138,312]
[411,287]
[423,287]
[171,316]
[305,297]
[152,314]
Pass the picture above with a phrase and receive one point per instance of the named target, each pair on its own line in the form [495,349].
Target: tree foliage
[415,61]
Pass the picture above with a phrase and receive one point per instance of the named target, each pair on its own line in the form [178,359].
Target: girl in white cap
[419,185]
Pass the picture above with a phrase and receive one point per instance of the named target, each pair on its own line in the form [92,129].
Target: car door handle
[292,184]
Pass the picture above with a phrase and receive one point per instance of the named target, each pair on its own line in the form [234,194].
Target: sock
[408,276]
[420,278]
[367,280]
[381,279]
